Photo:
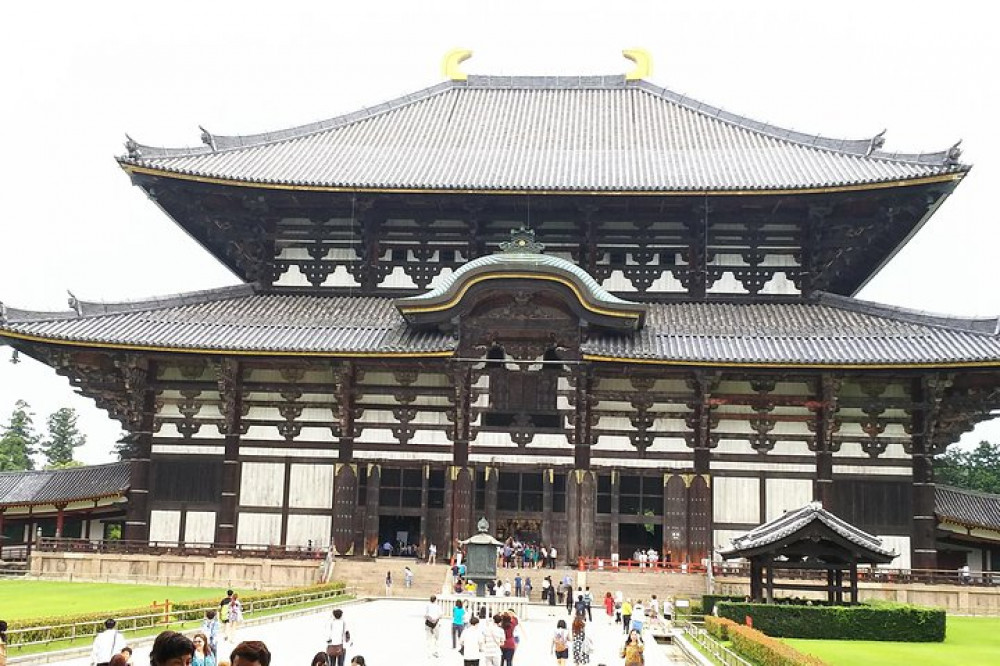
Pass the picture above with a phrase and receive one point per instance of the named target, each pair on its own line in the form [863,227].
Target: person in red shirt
[509,624]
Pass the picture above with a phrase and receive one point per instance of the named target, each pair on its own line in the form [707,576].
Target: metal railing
[165,617]
[698,635]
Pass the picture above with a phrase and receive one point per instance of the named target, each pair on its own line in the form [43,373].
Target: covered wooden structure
[808,539]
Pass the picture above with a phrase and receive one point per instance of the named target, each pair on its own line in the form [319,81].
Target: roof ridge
[50,472]
[988,326]
[968,491]
[81,308]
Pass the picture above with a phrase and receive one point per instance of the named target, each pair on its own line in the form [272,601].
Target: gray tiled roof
[63,485]
[826,330]
[791,522]
[967,507]
[544,133]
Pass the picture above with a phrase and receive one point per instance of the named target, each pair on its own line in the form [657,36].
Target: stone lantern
[481,557]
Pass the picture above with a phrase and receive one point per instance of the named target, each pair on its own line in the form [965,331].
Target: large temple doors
[675,517]
[581,513]
[459,502]
[345,502]
[699,518]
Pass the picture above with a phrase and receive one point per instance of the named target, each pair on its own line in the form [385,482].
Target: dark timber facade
[665,353]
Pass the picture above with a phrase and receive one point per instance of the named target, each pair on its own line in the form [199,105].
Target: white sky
[74,77]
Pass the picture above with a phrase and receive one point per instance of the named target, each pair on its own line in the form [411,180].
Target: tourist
[570,599]
[588,599]
[471,640]
[235,614]
[668,609]
[337,638]
[527,588]
[227,631]
[127,653]
[492,642]
[320,659]
[518,584]
[638,616]
[407,577]
[432,623]
[654,611]
[107,644]
[388,583]
[210,627]
[582,644]
[560,643]
[3,642]
[203,655]
[118,660]
[552,557]
[432,552]
[358,660]
[609,606]
[543,556]
[509,623]
[457,623]
[626,616]
[580,605]
[250,653]
[633,649]
[171,649]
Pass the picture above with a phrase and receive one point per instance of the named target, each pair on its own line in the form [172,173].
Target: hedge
[53,628]
[766,651]
[709,600]
[719,626]
[882,622]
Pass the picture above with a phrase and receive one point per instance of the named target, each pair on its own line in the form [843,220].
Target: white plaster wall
[900,544]
[872,471]
[667,283]
[303,529]
[735,499]
[618,282]
[440,277]
[340,278]
[316,434]
[762,466]
[96,530]
[723,539]
[164,526]
[266,433]
[189,449]
[262,484]
[786,495]
[258,529]
[199,527]
[780,284]
[258,451]
[727,284]
[310,486]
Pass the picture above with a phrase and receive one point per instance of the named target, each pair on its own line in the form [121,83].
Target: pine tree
[18,440]
[126,447]
[63,438]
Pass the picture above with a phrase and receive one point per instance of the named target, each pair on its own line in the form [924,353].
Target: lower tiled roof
[63,485]
[826,330]
[967,507]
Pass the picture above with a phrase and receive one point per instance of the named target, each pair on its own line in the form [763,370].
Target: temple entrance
[633,537]
[402,533]
[525,530]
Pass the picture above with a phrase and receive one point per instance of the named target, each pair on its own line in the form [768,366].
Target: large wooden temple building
[601,314]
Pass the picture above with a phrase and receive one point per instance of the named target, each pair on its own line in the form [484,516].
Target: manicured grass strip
[21,599]
[969,641]
[15,650]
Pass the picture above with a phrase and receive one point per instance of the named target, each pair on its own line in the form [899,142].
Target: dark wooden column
[462,377]
[372,509]
[824,425]
[345,378]
[588,511]
[230,378]
[571,549]
[699,518]
[345,505]
[2,510]
[616,486]
[769,598]
[60,519]
[137,378]
[546,535]
[927,393]
[460,488]
[286,493]
[675,517]
[583,402]
[492,485]
[854,583]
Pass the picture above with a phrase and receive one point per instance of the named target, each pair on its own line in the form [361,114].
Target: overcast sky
[77,76]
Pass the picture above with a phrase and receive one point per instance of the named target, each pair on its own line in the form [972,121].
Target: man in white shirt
[552,557]
[493,638]
[432,626]
[107,644]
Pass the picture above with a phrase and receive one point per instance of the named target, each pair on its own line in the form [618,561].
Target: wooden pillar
[372,509]
[770,581]
[230,378]
[60,519]
[462,483]
[854,583]
[1,532]
[927,392]
[616,486]
[588,511]
[830,584]
[755,579]
[137,509]
[285,496]
[824,427]
[701,440]
[345,379]
[548,476]
[492,485]
[675,514]
[571,549]
[699,526]
[345,505]
[462,378]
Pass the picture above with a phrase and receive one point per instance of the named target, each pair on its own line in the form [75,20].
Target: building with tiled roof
[601,314]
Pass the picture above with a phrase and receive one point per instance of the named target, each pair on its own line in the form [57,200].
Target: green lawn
[29,598]
[970,641]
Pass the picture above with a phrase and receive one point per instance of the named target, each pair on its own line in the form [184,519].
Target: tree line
[19,441]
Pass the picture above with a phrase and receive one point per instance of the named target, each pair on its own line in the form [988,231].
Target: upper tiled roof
[599,133]
[791,522]
[63,485]
[967,507]
[828,330]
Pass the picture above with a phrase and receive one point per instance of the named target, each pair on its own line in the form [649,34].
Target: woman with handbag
[337,638]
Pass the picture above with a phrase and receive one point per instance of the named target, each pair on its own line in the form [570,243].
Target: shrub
[719,626]
[709,600]
[766,651]
[884,622]
[88,624]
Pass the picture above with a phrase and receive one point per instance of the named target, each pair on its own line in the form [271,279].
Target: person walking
[609,606]
[432,626]
[626,616]
[588,599]
[509,623]
[388,583]
[210,627]
[491,643]
[552,557]
[457,623]
[235,613]
[582,645]
[471,642]
[227,631]
[633,649]
[3,642]
[569,598]
[203,655]
[337,638]
[170,648]
[408,577]
[107,644]
[527,588]
[560,643]
[638,616]
[432,553]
